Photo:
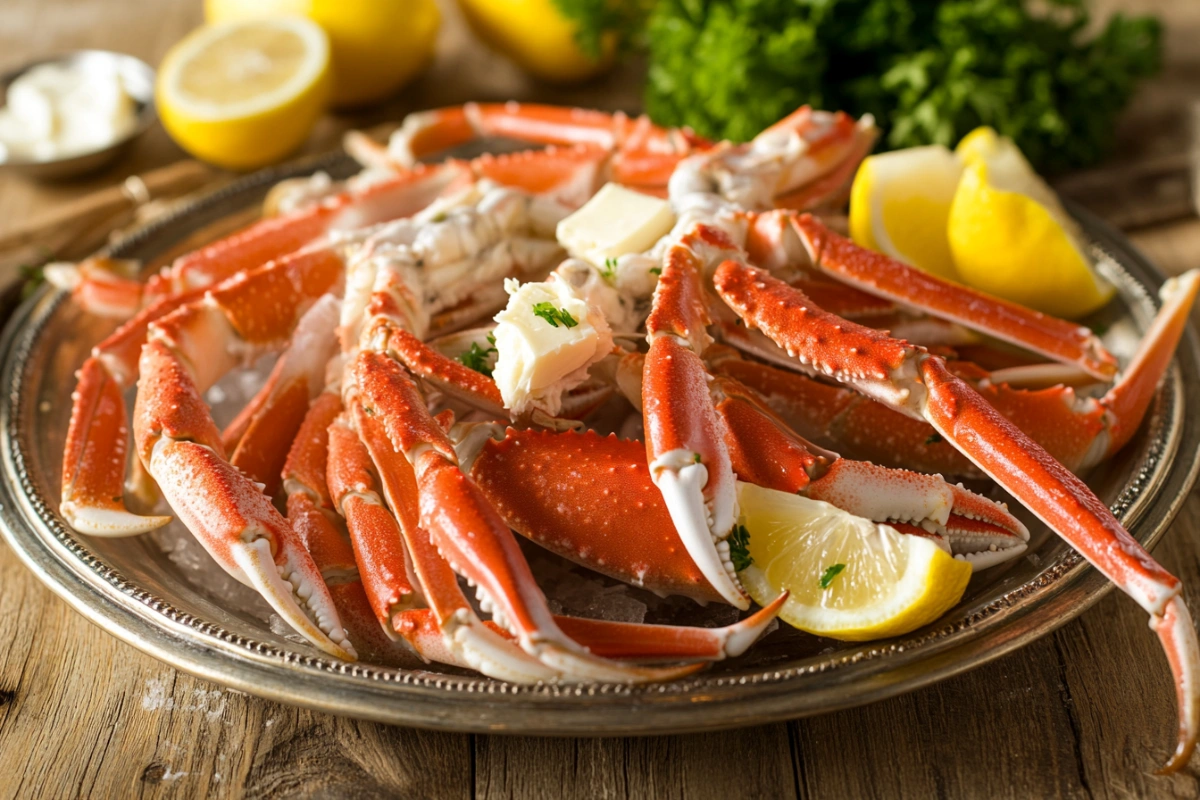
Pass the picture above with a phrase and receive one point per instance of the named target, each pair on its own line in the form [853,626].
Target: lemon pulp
[848,577]
[244,94]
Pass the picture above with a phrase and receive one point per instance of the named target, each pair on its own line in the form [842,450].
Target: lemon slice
[1011,237]
[849,578]
[899,205]
[244,94]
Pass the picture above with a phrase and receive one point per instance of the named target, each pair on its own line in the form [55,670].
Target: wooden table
[1087,711]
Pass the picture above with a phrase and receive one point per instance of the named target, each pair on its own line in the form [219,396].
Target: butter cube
[539,359]
[615,222]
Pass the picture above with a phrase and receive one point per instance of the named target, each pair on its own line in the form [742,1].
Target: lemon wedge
[244,94]
[899,204]
[849,578]
[1011,237]
[377,46]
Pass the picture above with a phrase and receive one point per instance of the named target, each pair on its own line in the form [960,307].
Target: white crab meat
[546,338]
[615,222]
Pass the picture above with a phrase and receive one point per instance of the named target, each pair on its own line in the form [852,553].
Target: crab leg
[94,459]
[1076,430]
[894,280]
[378,547]
[619,640]
[767,453]
[835,416]
[103,287]
[685,441]
[311,514]
[296,380]
[913,381]
[469,533]
[643,153]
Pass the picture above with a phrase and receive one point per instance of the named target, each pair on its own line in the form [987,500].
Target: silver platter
[131,588]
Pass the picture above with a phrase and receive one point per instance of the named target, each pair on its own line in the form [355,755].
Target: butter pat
[615,222]
[538,362]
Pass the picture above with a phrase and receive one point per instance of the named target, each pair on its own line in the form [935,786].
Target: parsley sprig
[553,315]
[930,71]
[739,548]
[477,357]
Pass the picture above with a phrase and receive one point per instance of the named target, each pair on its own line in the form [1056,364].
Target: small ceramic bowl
[139,82]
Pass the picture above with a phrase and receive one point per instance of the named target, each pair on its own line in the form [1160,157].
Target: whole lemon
[536,35]
[378,46]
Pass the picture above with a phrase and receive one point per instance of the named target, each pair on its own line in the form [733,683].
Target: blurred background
[1100,95]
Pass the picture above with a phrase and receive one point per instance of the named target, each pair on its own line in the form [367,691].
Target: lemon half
[378,46]
[899,204]
[849,578]
[244,94]
[1011,237]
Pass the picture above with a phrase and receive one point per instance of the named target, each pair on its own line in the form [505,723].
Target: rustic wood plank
[999,731]
[1121,699]
[748,763]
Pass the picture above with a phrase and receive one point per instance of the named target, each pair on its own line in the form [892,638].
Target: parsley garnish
[477,358]
[610,269]
[929,70]
[739,548]
[554,315]
[598,20]
[696,457]
[656,270]
[935,438]
[830,573]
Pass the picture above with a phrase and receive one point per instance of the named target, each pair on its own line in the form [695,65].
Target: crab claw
[244,533]
[685,438]
[226,511]
[94,459]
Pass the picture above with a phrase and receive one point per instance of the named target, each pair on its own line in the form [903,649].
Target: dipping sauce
[61,110]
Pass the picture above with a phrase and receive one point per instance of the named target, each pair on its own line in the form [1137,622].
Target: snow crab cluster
[735,333]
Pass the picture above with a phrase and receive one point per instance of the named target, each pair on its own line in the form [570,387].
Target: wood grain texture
[1085,712]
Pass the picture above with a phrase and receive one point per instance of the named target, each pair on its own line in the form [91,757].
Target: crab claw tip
[108,522]
[321,626]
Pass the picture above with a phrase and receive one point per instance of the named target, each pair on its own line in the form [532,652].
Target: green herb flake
[696,457]
[553,315]
[935,438]
[656,270]
[829,574]
[609,272]
[739,548]
[477,358]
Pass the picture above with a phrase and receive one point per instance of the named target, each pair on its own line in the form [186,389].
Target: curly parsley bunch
[929,70]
